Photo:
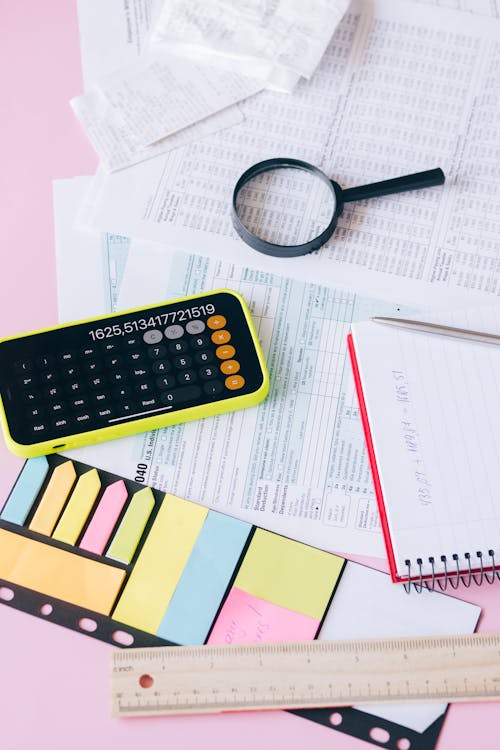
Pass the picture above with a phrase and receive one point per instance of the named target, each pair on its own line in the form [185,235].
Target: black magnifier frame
[340,196]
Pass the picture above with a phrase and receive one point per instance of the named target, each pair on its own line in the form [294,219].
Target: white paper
[384,610]
[89,265]
[435,74]
[113,34]
[276,41]
[431,404]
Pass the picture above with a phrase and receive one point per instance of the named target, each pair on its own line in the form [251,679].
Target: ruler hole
[403,743]
[87,624]
[6,594]
[146,681]
[380,735]
[336,719]
[46,609]
[122,638]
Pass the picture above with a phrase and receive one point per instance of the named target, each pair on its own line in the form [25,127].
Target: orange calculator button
[216,321]
[225,352]
[235,382]
[230,367]
[221,337]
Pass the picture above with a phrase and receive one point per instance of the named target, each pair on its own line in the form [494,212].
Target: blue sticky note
[25,490]
[204,580]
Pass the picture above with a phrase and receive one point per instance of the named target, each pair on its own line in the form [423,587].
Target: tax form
[296,463]
[407,90]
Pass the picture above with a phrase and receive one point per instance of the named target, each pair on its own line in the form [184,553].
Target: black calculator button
[39,428]
[135,357]
[92,367]
[180,395]
[152,337]
[125,409]
[84,419]
[161,366]
[114,361]
[54,392]
[57,407]
[123,392]
[117,377]
[195,326]
[74,387]
[132,342]
[144,388]
[61,423]
[109,346]
[48,376]
[166,381]
[78,402]
[182,362]
[148,402]
[174,332]
[207,373]
[178,347]
[199,342]
[71,371]
[213,387]
[100,397]
[186,376]
[28,381]
[105,412]
[24,365]
[203,358]
[45,360]
[97,382]
[89,351]
[65,358]
[139,372]
[157,352]
[34,412]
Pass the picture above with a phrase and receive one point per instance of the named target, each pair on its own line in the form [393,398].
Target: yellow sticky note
[160,564]
[76,512]
[53,498]
[289,573]
[129,532]
[58,573]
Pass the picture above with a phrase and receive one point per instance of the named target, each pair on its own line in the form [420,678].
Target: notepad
[430,407]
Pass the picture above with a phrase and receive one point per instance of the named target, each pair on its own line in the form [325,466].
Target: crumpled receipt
[277,41]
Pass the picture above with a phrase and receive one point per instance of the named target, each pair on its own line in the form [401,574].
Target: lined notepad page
[433,407]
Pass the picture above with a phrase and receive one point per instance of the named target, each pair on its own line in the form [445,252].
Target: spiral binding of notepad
[454,574]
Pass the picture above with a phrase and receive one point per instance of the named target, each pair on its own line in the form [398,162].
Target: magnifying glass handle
[397,185]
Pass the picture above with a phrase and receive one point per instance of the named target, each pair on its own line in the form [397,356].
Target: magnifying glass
[287,207]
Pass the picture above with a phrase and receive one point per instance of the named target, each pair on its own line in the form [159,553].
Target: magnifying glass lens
[286,206]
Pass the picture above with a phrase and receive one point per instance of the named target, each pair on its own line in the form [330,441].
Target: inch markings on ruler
[210,679]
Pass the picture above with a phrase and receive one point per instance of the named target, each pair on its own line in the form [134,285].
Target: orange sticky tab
[53,499]
[57,573]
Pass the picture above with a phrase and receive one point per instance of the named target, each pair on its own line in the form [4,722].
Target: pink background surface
[54,685]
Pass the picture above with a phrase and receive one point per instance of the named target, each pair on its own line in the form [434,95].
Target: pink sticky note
[105,517]
[247,619]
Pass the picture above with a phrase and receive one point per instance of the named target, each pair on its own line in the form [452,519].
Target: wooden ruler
[208,679]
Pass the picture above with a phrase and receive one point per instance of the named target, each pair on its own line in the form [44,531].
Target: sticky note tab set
[135,566]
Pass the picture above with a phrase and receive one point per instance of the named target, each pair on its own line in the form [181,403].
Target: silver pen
[424,327]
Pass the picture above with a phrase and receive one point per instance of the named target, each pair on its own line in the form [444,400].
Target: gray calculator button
[174,332]
[195,326]
[152,337]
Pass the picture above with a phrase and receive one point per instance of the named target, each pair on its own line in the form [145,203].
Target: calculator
[115,375]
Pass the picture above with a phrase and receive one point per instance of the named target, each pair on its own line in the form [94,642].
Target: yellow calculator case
[115,375]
